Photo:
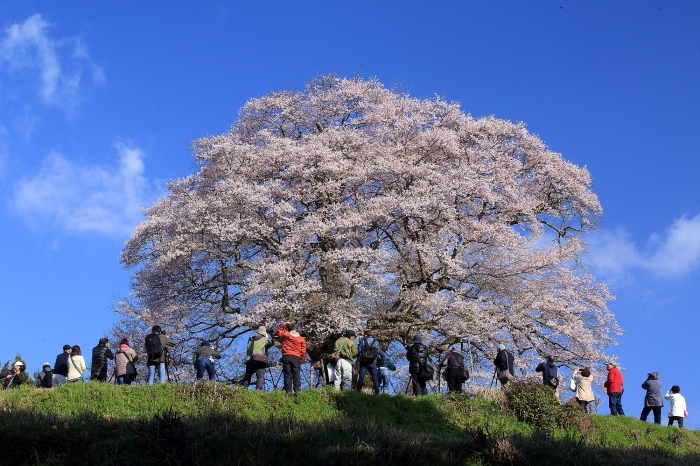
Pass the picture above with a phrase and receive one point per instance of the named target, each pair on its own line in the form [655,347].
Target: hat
[262,330]
[46,364]
[350,333]
[66,347]
[609,363]
[205,343]
[501,347]
[418,339]
[18,363]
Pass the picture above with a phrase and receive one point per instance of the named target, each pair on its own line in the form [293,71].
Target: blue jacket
[548,369]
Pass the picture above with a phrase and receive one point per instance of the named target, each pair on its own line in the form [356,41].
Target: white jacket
[677,408]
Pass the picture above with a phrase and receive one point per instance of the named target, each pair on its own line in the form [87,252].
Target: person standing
[549,375]
[45,378]
[678,409]
[652,401]
[204,357]
[584,391]
[368,352]
[76,365]
[346,349]
[418,366]
[386,365]
[60,367]
[504,362]
[125,362]
[100,354]
[293,356]
[256,358]
[614,386]
[454,373]
[157,344]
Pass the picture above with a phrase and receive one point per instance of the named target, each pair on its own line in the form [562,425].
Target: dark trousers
[657,413]
[583,404]
[676,418]
[615,403]
[291,369]
[419,385]
[453,376]
[361,377]
[100,374]
[257,368]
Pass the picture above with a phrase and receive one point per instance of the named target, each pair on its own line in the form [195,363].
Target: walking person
[156,345]
[204,357]
[60,367]
[100,355]
[504,362]
[678,409]
[418,366]
[454,372]
[368,352]
[584,392]
[652,401]
[125,362]
[76,365]
[256,358]
[614,386]
[346,349]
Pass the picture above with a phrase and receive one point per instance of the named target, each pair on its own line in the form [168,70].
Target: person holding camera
[293,355]
[14,377]
[653,400]
[256,358]
[204,360]
[584,392]
[100,354]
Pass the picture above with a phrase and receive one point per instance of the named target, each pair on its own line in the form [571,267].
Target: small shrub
[533,403]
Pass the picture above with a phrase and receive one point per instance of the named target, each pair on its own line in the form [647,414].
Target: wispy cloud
[87,198]
[27,50]
[673,253]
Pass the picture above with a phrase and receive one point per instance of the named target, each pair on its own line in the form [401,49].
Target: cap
[262,330]
[350,333]
[205,343]
[46,364]
[18,363]
[418,339]
[501,347]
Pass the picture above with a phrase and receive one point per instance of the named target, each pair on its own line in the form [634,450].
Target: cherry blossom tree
[348,205]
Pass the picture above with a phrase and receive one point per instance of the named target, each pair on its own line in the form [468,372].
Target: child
[677,411]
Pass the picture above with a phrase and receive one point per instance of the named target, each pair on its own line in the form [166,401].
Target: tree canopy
[348,204]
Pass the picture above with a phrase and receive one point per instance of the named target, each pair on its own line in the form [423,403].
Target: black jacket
[44,379]
[61,366]
[417,356]
[100,355]
[453,360]
[504,360]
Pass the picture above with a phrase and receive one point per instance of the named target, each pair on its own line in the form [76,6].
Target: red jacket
[614,382]
[293,344]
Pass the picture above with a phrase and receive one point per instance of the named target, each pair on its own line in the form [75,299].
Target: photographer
[12,378]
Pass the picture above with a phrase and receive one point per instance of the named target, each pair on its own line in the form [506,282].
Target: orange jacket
[293,344]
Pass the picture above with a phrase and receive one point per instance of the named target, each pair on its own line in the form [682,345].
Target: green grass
[104,424]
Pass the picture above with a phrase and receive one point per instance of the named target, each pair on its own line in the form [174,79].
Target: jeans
[205,365]
[615,403]
[161,373]
[361,377]
[125,379]
[657,413]
[343,374]
[58,379]
[676,418]
[384,379]
[291,370]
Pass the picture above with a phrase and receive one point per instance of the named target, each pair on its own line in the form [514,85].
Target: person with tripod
[454,374]
[418,366]
[14,377]
[156,344]
[256,358]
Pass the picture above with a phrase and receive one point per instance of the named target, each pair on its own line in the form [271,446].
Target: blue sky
[99,105]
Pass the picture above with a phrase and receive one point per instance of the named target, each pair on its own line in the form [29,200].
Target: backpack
[47,381]
[369,352]
[153,347]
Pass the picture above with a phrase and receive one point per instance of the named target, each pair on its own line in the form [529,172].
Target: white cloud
[85,198]
[28,48]
[672,253]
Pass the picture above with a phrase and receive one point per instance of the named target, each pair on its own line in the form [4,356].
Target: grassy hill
[102,424]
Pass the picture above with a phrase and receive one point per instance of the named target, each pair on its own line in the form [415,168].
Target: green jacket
[257,344]
[346,348]
[205,352]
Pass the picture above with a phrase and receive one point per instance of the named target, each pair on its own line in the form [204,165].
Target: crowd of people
[348,359]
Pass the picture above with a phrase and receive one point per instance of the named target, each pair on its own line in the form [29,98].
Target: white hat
[18,363]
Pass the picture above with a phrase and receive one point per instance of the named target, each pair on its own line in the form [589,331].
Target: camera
[22,368]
